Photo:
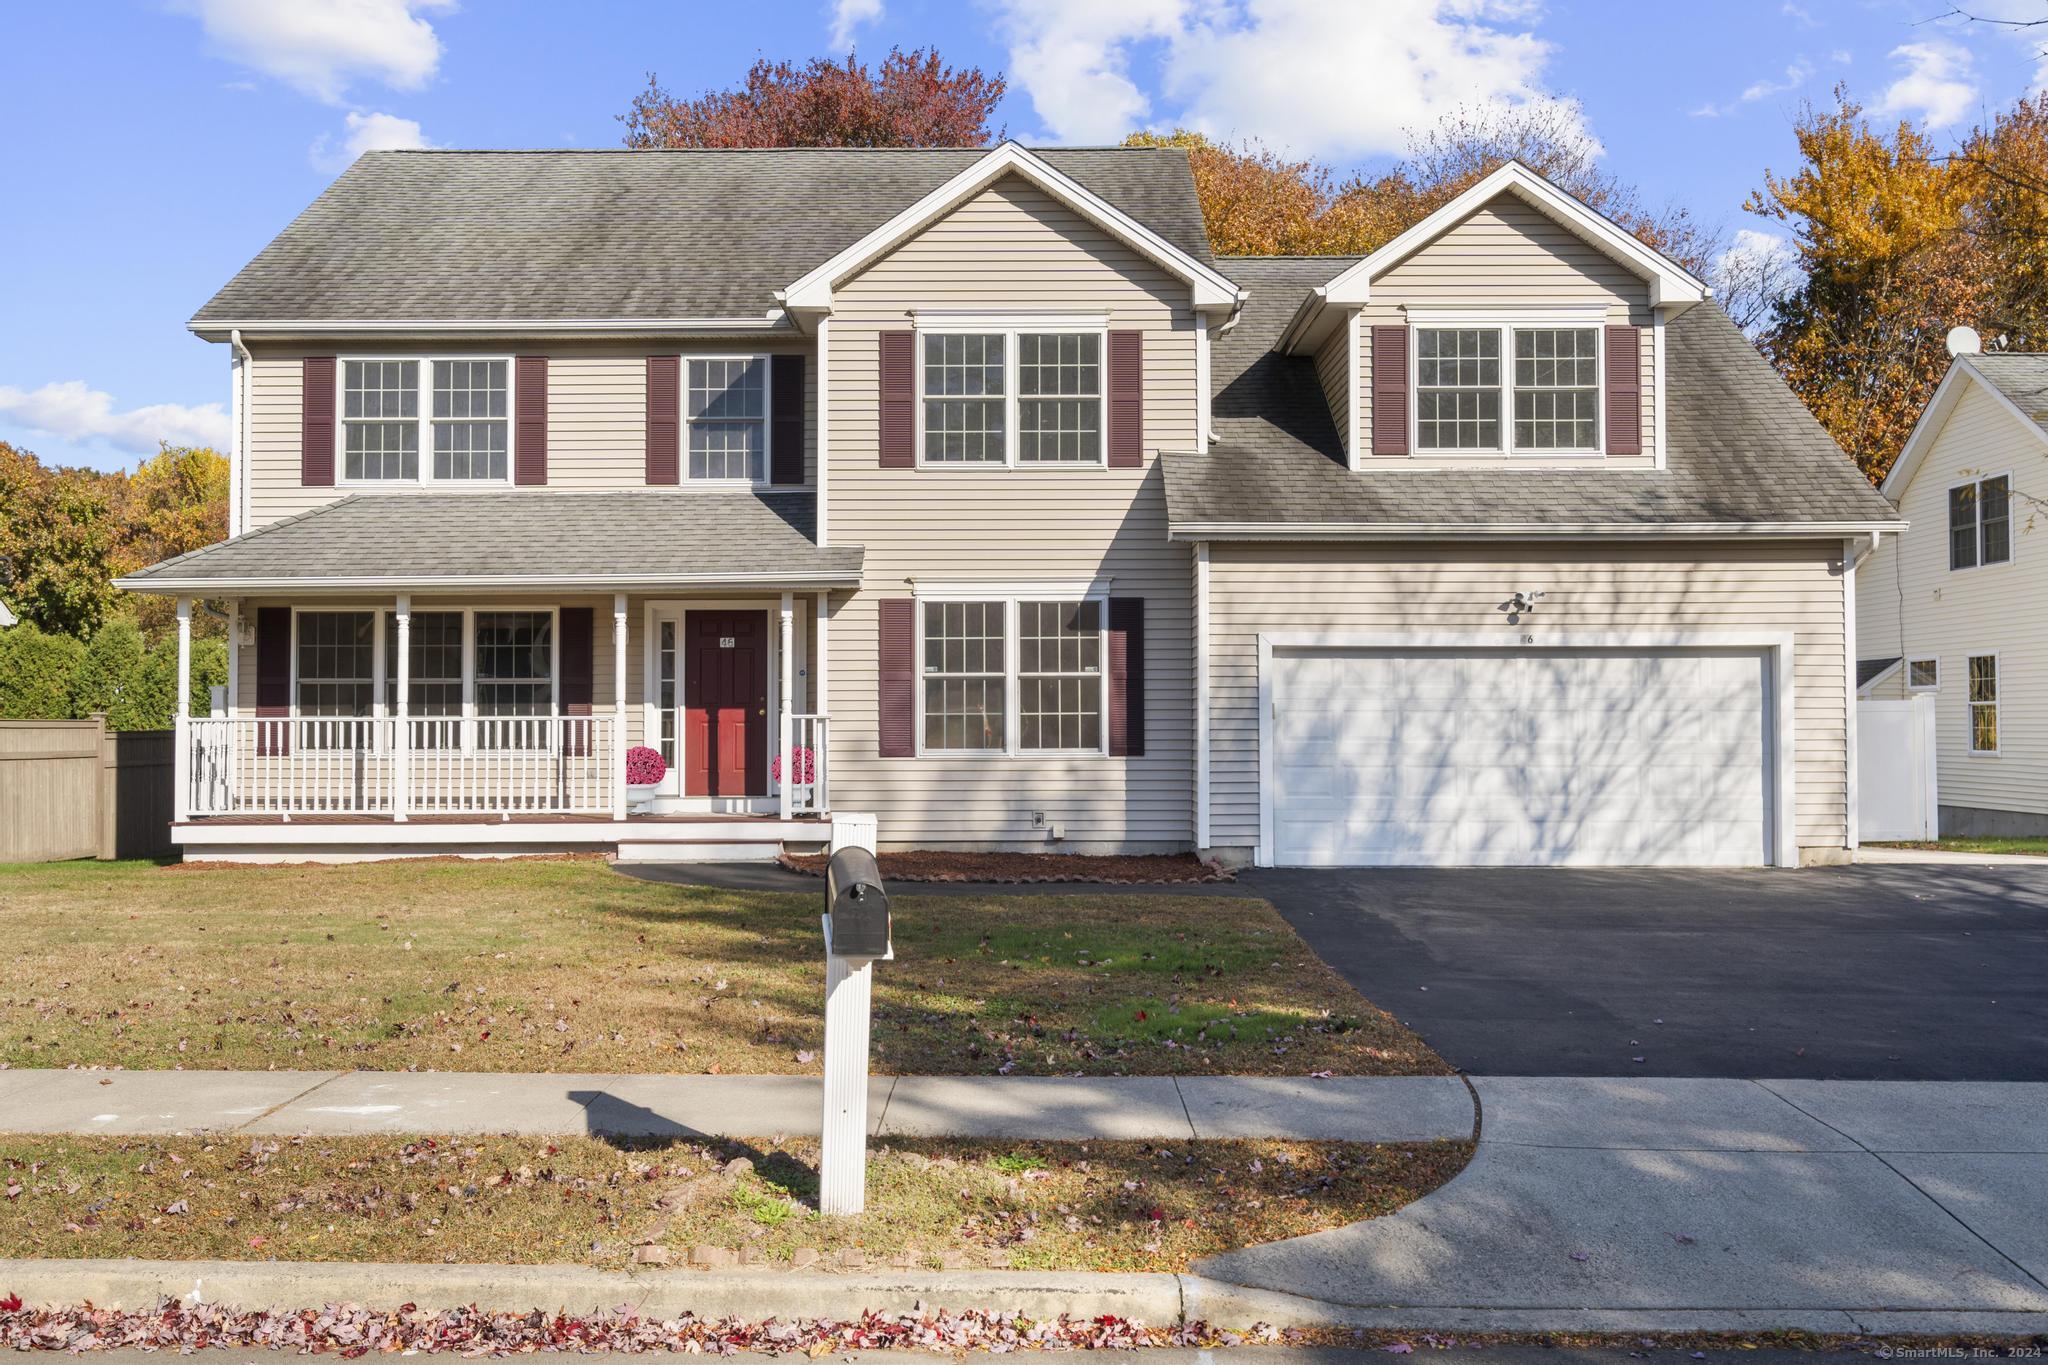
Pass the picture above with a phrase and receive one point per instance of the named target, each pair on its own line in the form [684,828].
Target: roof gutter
[772,320]
[424,583]
[1383,531]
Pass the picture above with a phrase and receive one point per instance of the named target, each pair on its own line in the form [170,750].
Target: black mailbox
[857,904]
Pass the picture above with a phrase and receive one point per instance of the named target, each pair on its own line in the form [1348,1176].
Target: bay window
[1011,395]
[1508,388]
[1015,675]
[727,417]
[463,421]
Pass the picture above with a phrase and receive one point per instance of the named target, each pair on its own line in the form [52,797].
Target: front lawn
[1076,1206]
[2037,847]
[567,966]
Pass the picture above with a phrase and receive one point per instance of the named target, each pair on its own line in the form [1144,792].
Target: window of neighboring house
[727,416]
[1059,675]
[966,703]
[1557,388]
[1984,703]
[466,415]
[380,428]
[335,655]
[965,407]
[1980,522]
[1457,388]
[472,432]
[1059,398]
[1923,675]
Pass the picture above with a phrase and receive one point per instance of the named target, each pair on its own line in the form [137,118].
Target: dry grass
[568,966]
[1085,1206]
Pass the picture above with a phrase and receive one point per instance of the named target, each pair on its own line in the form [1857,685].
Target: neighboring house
[1951,607]
[972,485]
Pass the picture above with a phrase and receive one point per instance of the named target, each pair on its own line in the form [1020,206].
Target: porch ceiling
[540,538]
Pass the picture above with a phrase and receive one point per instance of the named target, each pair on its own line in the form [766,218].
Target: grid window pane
[1984,702]
[1962,527]
[665,689]
[379,428]
[515,663]
[336,658]
[471,430]
[434,675]
[1457,388]
[728,417]
[1994,518]
[1557,388]
[963,399]
[1059,675]
[964,675]
[1059,405]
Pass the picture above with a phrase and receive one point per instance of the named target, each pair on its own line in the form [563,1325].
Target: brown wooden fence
[71,789]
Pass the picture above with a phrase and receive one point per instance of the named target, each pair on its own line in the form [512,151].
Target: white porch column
[401,743]
[618,706]
[785,695]
[181,723]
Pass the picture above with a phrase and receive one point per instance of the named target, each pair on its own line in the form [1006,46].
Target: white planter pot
[640,795]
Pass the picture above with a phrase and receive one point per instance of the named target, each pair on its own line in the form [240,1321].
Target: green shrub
[108,671]
[35,673]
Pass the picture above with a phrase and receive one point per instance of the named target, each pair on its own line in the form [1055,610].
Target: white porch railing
[485,766]
[803,766]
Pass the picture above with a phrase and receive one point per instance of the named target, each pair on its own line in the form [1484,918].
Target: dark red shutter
[786,422]
[530,420]
[896,705]
[898,388]
[1624,391]
[274,680]
[1127,676]
[664,418]
[1126,373]
[316,422]
[578,677]
[1390,390]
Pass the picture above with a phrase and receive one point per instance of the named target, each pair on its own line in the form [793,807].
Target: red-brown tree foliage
[912,100]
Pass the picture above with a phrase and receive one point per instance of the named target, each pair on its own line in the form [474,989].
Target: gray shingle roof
[1743,449]
[541,536]
[555,236]
[2021,377]
[1867,670]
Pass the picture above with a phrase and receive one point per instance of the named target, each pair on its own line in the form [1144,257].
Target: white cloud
[1938,86]
[1301,75]
[321,47]
[848,16]
[367,133]
[69,411]
[1796,75]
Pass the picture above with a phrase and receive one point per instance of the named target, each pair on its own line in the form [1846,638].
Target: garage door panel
[1483,758]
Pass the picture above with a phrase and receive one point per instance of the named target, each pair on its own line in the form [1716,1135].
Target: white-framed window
[1923,675]
[334,664]
[1983,672]
[1517,386]
[1012,673]
[995,393]
[1980,522]
[487,677]
[423,419]
[725,417]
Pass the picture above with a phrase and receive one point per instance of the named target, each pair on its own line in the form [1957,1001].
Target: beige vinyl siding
[597,414]
[1013,248]
[1418,589]
[1510,255]
[1333,368]
[1909,602]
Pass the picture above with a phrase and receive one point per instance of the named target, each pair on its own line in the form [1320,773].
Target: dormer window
[1488,386]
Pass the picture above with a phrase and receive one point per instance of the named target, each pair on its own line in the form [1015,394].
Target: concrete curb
[1949,857]
[754,1295]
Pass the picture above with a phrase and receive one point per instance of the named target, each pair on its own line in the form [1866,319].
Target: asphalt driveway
[1865,973]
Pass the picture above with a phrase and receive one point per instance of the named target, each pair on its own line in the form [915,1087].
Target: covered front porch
[435,714]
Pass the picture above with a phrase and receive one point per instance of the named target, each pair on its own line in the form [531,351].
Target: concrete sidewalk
[1829,1205]
[1354,1108]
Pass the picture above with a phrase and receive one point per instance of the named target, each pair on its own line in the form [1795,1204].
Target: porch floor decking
[516,818]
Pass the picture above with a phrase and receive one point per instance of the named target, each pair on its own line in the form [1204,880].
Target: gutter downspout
[1852,559]
[238,458]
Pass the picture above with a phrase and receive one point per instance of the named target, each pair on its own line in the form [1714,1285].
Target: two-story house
[1946,610]
[967,490]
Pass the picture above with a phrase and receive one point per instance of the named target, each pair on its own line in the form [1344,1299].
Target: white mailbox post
[849,987]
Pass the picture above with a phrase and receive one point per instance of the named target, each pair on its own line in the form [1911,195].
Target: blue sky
[154,146]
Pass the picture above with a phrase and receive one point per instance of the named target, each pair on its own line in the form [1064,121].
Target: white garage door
[1469,757]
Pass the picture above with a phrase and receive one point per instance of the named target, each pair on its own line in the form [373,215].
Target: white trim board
[1780,735]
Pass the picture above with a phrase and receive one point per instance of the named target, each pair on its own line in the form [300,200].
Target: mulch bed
[1135,869]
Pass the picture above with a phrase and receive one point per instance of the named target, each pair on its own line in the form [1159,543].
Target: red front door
[725,703]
